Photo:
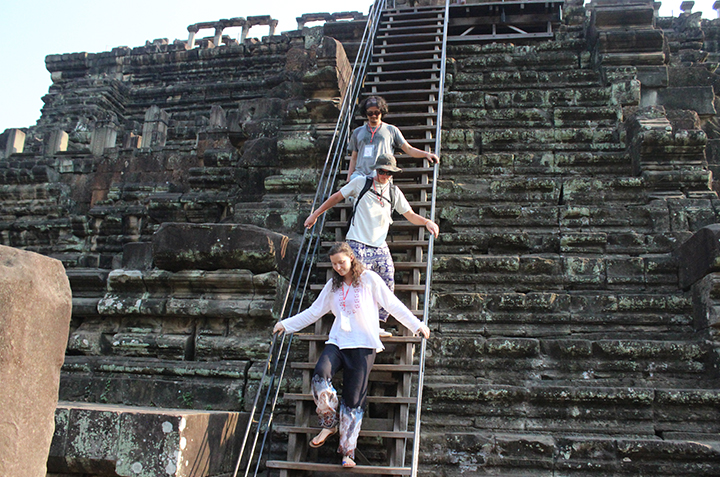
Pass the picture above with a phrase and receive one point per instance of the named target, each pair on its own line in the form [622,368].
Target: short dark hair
[381,104]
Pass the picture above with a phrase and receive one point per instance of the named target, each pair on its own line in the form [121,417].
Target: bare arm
[415,152]
[353,163]
[416,219]
[332,201]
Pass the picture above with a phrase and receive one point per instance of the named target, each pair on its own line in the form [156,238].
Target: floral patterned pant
[356,364]
[379,260]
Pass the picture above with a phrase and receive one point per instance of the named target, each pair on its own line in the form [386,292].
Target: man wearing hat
[373,216]
[376,137]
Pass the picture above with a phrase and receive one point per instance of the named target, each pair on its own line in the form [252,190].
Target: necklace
[372,132]
[343,298]
[379,195]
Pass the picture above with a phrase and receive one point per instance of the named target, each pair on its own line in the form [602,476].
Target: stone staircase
[564,344]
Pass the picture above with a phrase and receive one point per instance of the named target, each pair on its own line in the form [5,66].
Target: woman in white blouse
[354,296]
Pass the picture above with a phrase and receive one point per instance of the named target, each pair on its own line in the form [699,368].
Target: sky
[33,30]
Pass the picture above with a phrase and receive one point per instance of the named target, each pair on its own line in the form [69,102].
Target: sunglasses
[373,113]
[383,172]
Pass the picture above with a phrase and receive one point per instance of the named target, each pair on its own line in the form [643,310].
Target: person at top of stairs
[353,295]
[375,137]
[372,218]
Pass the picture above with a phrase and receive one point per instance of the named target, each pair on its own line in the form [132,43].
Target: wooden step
[359,469]
[411,21]
[398,265]
[417,204]
[413,171]
[397,225]
[405,55]
[381,40]
[404,105]
[394,244]
[386,339]
[403,115]
[428,83]
[399,287]
[387,73]
[404,94]
[369,398]
[380,368]
[416,11]
[363,432]
[401,48]
[407,29]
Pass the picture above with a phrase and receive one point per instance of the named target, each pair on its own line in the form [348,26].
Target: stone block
[15,142]
[102,138]
[178,246]
[144,442]
[137,256]
[633,40]
[653,76]
[697,98]
[35,309]
[699,255]
[625,270]
[57,141]
[579,453]
[619,15]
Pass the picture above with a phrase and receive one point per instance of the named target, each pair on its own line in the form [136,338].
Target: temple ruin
[573,299]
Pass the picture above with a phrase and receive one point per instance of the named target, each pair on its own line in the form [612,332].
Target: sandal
[347,462]
[315,443]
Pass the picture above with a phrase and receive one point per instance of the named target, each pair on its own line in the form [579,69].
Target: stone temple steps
[545,116]
[580,269]
[568,361]
[555,410]
[527,453]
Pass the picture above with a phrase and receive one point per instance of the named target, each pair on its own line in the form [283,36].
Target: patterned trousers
[356,364]
[379,260]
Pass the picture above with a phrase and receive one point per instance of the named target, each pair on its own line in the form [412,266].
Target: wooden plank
[509,36]
[359,469]
[394,368]
[531,19]
[370,399]
[363,432]
[394,244]
[387,339]
[398,265]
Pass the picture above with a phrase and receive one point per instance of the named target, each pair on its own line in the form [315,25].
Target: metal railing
[431,242]
[274,369]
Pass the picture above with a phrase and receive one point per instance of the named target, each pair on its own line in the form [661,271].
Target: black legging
[356,364]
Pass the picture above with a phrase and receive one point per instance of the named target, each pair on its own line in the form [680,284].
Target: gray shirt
[369,146]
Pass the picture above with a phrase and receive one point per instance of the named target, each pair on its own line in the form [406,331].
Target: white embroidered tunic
[360,313]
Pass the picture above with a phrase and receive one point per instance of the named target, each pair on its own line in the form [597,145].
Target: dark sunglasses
[383,172]
[373,113]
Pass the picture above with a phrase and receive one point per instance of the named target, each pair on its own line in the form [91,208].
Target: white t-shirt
[373,215]
[362,325]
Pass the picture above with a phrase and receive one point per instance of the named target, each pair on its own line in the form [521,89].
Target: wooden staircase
[406,69]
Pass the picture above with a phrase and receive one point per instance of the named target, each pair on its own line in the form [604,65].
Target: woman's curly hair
[375,101]
[356,266]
